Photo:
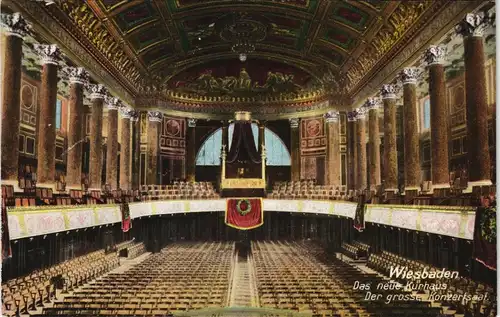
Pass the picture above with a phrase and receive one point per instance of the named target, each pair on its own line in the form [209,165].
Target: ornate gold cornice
[408,50]
[82,18]
[259,112]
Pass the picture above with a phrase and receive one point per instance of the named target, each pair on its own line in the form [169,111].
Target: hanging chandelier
[244,34]
[243,48]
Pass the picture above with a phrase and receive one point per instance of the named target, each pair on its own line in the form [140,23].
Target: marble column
[411,134]
[352,152]
[78,77]
[333,149]
[154,125]
[434,56]
[113,104]
[136,149]
[295,148]
[15,28]
[388,93]
[97,96]
[46,149]
[373,105]
[125,143]
[479,165]
[191,151]
[362,177]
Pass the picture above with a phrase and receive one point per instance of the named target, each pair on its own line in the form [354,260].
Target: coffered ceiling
[337,44]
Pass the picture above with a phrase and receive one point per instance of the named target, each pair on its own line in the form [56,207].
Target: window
[426,114]
[277,153]
[58,114]
[209,153]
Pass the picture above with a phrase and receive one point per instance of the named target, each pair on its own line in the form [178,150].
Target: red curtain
[359,219]
[244,213]
[126,219]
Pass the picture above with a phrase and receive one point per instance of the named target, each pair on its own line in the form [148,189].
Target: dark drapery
[243,145]
[6,248]
[485,246]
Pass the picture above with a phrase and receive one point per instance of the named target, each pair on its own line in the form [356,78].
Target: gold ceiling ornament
[85,20]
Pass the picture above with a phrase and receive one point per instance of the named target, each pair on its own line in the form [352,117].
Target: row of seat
[305,278]
[355,249]
[177,185]
[180,190]
[24,294]
[183,276]
[385,260]
[351,251]
[45,196]
[136,250]
[446,196]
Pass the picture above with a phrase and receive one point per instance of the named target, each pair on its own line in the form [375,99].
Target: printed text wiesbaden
[402,272]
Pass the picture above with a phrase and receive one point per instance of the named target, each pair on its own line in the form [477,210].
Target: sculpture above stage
[208,84]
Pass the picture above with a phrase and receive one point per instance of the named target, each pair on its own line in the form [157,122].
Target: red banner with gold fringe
[244,213]
[126,219]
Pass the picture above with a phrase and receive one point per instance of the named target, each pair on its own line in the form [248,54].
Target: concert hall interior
[316,158]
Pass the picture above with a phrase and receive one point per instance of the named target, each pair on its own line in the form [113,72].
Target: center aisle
[242,293]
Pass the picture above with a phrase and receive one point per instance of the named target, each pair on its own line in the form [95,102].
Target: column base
[438,186]
[391,190]
[73,187]
[417,188]
[47,185]
[14,183]
[471,185]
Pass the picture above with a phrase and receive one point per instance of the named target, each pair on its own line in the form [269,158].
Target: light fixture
[243,47]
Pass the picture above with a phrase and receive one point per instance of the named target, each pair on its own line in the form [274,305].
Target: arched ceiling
[149,45]
[166,33]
